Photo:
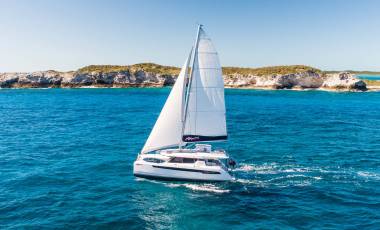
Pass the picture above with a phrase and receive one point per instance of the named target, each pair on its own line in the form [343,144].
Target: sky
[66,35]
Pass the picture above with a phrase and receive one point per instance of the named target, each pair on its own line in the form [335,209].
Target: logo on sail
[191,138]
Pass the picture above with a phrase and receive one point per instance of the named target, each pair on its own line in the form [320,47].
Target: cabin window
[211,162]
[188,160]
[182,160]
[153,160]
[176,160]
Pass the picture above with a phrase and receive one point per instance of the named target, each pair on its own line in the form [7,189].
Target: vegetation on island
[147,67]
[285,69]
[171,70]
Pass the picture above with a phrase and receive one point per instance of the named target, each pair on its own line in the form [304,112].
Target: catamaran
[193,113]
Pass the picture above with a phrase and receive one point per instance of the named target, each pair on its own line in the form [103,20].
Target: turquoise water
[369,77]
[306,160]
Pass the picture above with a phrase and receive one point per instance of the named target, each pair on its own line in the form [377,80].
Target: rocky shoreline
[298,81]
[142,78]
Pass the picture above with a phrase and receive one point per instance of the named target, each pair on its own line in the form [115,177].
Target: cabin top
[191,153]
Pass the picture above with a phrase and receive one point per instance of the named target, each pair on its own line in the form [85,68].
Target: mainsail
[168,128]
[194,110]
[206,113]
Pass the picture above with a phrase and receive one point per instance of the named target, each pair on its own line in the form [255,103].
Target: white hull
[193,113]
[166,170]
[150,172]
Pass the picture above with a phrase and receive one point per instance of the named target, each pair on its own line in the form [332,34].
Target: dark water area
[307,159]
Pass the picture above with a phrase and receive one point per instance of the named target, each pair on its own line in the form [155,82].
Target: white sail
[206,114]
[168,128]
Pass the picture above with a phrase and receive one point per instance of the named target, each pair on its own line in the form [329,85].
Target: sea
[306,160]
[369,77]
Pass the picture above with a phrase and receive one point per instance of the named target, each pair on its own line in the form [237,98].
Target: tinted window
[182,160]
[176,160]
[153,160]
[212,162]
[188,160]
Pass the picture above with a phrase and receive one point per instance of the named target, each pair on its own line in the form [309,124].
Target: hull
[175,172]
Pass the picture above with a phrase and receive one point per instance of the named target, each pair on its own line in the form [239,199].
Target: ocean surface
[369,77]
[307,160]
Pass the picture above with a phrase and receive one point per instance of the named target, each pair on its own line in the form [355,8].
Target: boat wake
[200,187]
[271,168]
[369,175]
[277,175]
[274,175]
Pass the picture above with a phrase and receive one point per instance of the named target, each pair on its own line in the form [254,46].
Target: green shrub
[148,67]
[270,70]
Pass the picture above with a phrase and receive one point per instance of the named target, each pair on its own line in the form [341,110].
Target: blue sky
[69,34]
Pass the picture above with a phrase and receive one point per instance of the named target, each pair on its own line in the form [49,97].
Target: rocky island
[153,75]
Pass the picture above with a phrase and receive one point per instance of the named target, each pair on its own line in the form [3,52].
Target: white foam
[200,187]
[288,177]
[245,168]
[291,170]
[277,175]
[303,183]
[254,182]
[258,169]
[369,175]
[272,168]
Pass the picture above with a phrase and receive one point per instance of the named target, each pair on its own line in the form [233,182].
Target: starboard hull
[173,173]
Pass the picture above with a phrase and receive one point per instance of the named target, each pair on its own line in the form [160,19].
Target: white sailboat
[193,113]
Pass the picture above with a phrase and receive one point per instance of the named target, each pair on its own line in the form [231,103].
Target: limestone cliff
[159,76]
[44,79]
[303,80]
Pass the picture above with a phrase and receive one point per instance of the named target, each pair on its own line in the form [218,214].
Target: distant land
[356,72]
[297,77]
[155,68]
[160,69]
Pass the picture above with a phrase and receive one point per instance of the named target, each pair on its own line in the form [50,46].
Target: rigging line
[190,80]
[186,91]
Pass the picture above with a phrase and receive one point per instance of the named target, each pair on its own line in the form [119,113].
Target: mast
[189,85]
